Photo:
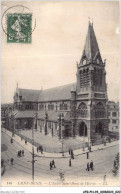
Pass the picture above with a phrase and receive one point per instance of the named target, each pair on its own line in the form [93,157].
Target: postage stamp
[19,27]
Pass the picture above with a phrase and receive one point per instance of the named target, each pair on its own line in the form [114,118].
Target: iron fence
[65,147]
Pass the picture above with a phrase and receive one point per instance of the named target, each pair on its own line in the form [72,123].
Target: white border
[34,190]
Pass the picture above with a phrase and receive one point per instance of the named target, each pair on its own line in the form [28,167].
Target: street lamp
[33,161]
[36,115]
[84,138]
[46,117]
[61,119]
[12,118]
[72,129]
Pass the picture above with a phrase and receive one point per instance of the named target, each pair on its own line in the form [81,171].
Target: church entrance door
[99,128]
[82,129]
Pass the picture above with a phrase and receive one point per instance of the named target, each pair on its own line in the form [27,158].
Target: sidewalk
[57,155]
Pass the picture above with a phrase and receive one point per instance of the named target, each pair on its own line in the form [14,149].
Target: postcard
[60,88]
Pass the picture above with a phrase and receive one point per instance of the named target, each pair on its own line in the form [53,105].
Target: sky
[57,44]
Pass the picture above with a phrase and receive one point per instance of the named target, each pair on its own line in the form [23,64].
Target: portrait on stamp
[19,28]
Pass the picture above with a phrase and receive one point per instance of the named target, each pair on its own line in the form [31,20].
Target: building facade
[113,114]
[5,108]
[78,109]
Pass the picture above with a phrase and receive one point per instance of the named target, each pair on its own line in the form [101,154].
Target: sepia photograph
[60,85]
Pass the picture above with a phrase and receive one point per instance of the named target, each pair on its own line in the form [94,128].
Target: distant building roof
[52,94]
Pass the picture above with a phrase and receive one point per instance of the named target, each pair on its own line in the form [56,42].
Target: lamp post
[33,161]
[84,138]
[61,119]
[46,117]
[36,115]
[12,118]
[72,129]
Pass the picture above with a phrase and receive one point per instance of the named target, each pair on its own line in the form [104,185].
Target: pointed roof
[91,50]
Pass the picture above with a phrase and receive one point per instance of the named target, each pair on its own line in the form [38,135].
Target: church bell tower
[92,120]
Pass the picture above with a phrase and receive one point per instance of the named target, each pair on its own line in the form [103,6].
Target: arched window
[99,111]
[82,110]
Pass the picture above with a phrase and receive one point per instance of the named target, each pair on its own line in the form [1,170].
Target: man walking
[70,162]
[22,152]
[91,165]
[53,163]
[72,154]
[87,155]
[88,166]
[69,151]
[50,166]
[12,161]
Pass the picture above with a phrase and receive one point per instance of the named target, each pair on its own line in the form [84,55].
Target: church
[74,109]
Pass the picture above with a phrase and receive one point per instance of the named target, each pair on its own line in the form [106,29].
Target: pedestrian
[40,148]
[69,151]
[22,152]
[53,163]
[18,154]
[104,180]
[91,165]
[90,148]
[2,162]
[26,142]
[11,140]
[70,162]
[87,155]
[72,156]
[50,166]
[37,149]
[12,161]
[88,166]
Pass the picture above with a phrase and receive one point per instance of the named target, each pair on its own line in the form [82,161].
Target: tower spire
[91,49]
